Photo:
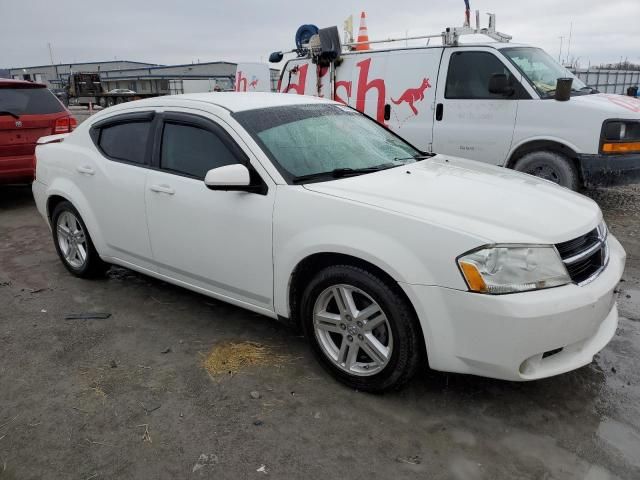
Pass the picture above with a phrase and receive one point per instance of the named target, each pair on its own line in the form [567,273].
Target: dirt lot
[128,397]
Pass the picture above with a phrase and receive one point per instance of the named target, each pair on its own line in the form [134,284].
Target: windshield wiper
[417,158]
[7,112]
[342,172]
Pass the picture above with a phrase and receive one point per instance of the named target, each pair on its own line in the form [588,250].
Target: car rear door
[218,241]
[470,121]
[111,175]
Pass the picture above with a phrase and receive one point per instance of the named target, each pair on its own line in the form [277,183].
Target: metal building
[144,78]
[56,76]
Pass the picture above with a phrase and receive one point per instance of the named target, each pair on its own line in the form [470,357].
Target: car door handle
[162,189]
[86,170]
[439,112]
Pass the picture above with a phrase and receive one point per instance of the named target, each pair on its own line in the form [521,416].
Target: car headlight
[503,269]
[620,136]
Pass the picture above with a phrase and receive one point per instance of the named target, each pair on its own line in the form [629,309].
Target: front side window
[305,140]
[541,70]
[125,141]
[192,151]
[470,73]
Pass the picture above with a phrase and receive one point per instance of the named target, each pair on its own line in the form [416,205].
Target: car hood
[494,204]
[618,105]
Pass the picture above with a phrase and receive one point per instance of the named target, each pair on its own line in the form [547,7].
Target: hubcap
[72,240]
[545,171]
[352,329]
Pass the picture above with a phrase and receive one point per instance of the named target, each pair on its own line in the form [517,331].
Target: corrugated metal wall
[609,81]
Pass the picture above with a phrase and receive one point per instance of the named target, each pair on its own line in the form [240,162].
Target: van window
[125,141]
[469,75]
[192,151]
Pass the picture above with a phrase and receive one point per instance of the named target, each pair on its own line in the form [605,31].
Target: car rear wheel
[551,166]
[73,243]
[361,329]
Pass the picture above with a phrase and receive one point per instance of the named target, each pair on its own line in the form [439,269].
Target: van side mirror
[563,89]
[276,57]
[499,85]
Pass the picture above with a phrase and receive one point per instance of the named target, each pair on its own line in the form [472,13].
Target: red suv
[28,111]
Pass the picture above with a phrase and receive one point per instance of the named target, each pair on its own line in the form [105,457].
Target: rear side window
[469,75]
[29,101]
[192,151]
[125,141]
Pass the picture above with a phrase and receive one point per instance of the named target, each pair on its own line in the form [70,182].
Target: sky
[186,31]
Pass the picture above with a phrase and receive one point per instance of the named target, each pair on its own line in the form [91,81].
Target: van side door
[470,120]
[411,77]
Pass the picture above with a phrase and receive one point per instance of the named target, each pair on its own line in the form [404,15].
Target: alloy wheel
[72,239]
[352,329]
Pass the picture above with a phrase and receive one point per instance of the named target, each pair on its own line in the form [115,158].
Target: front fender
[408,250]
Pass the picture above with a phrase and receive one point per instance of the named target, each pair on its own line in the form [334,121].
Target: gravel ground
[127,397]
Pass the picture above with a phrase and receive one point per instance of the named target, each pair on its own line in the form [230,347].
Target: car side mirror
[499,85]
[230,177]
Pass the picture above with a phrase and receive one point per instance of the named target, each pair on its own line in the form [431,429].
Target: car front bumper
[516,336]
[610,170]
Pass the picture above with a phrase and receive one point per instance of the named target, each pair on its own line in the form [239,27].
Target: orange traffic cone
[363,34]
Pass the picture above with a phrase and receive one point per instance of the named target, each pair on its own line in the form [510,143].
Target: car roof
[231,101]
[10,82]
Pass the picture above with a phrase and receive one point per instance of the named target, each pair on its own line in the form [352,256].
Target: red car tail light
[65,125]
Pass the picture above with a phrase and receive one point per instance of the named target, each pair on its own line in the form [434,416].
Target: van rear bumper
[609,170]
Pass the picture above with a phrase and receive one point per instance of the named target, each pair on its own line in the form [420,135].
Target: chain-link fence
[609,81]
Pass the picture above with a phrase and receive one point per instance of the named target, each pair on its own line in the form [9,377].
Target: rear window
[29,101]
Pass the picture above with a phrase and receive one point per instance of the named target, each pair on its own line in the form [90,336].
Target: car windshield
[29,101]
[541,70]
[324,141]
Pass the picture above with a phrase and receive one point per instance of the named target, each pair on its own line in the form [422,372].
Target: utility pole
[55,67]
[569,46]
[560,53]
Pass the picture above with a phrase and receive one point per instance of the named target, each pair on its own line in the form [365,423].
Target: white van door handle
[162,189]
[86,170]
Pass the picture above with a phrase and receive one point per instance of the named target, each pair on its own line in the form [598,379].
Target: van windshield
[542,71]
[324,141]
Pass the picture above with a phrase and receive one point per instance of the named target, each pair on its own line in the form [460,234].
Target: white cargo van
[494,102]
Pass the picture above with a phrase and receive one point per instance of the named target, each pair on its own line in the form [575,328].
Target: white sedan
[305,210]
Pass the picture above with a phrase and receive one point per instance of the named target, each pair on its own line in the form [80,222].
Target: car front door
[470,121]
[218,241]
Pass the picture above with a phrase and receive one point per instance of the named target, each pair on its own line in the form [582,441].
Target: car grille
[586,256]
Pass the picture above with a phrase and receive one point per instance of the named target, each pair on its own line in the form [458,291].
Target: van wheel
[551,166]
[73,243]
[361,329]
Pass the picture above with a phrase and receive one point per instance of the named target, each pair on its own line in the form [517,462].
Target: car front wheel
[361,329]
[73,243]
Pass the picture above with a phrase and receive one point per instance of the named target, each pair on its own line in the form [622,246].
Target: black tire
[551,166]
[93,266]
[110,102]
[103,102]
[408,341]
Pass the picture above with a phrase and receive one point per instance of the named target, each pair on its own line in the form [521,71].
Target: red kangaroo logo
[412,95]
[254,84]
